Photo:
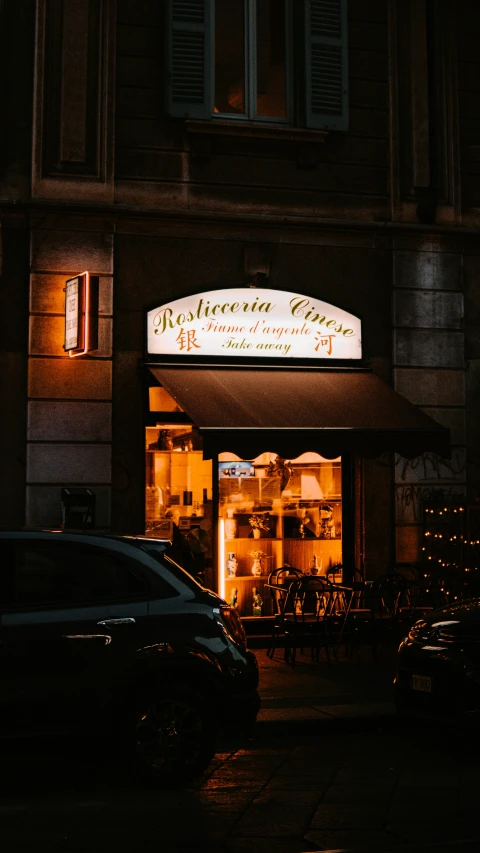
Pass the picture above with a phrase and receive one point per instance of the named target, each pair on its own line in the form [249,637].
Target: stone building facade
[377,213]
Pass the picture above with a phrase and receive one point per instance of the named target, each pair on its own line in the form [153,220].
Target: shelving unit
[244,581]
[303,518]
[178,479]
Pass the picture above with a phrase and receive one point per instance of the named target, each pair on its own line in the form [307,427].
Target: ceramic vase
[257,567]
[232,565]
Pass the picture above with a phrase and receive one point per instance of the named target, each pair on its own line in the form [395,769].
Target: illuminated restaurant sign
[81,314]
[256,322]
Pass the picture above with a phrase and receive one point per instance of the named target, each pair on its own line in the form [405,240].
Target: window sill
[253,130]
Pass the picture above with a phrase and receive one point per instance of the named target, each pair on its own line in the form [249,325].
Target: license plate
[422,682]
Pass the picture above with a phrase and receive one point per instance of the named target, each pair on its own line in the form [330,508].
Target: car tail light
[233,625]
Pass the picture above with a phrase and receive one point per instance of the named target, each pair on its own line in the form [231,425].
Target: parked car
[438,664]
[109,634]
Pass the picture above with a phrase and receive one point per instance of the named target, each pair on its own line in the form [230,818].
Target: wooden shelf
[312,539]
[247,578]
[251,539]
[244,585]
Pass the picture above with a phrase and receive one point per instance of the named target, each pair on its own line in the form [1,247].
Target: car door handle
[126,620]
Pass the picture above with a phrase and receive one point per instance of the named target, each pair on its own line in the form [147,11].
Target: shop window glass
[274,513]
[161,401]
[178,492]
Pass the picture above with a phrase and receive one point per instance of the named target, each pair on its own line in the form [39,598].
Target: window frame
[317,72]
[250,69]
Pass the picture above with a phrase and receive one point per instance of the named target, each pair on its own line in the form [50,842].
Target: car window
[169,558]
[61,573]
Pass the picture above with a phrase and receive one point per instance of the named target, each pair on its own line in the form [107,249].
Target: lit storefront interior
[269,512]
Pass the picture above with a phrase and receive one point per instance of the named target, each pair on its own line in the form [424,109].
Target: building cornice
[120,213]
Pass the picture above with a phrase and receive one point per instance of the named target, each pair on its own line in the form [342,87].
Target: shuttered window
[236,60]
[190,66]
[326,64]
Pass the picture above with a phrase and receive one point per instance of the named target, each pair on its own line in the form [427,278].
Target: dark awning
[249,411]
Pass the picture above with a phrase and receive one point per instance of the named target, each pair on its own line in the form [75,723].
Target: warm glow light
[266,458]
[86,335]
[180,427]
[221,552]
[311,456]
[229,457]
[285,309]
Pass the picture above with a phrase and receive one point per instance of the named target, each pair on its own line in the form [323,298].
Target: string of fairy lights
[451,553]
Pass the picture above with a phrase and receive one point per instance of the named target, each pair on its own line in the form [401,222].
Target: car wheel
[174,736]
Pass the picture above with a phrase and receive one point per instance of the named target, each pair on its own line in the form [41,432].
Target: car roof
[79,535]
[48,532]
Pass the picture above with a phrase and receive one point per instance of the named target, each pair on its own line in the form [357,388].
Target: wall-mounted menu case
[273,513]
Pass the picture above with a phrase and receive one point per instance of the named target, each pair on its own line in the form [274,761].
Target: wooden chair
[422,593]
[408,571]
[310,618]
[373,617]
[335,573]
[278,585]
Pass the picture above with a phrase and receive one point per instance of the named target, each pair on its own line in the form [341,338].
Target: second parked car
[438,664]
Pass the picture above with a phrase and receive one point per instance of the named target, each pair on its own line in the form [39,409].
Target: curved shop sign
[253,322]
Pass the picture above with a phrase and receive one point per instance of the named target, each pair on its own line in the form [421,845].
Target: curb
[463,845]
[307,721]
[325,713]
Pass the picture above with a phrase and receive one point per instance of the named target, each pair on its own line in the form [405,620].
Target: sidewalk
[329,769]
[326,770]
[343,690]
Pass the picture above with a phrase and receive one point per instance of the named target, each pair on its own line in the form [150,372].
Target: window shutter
[190,58]
[326,64]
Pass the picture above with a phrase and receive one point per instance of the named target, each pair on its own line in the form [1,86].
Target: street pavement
[327,768]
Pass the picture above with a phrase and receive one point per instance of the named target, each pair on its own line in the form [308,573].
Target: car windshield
[163,552]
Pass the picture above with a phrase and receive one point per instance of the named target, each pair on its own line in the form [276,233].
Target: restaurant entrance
[261,414]
[243,519]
